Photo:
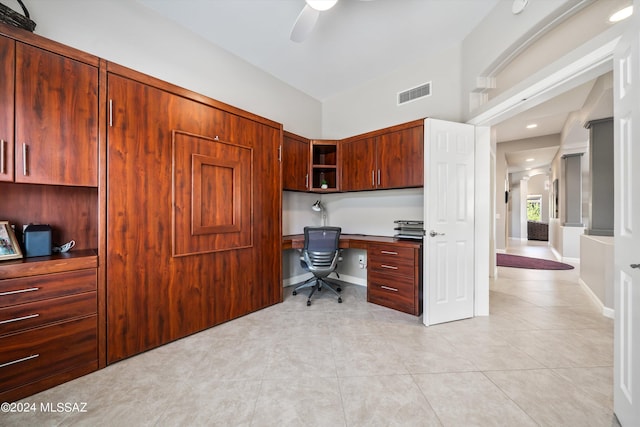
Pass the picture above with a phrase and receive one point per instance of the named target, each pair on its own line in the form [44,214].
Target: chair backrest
[321,249]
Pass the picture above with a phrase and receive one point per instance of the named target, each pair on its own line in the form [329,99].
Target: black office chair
[320,256]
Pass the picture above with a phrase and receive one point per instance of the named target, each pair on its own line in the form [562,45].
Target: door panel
[7,68]
[627,226]
[358,164]
[449,207]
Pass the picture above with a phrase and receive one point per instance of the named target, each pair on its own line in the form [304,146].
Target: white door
[627,225]
[449,221]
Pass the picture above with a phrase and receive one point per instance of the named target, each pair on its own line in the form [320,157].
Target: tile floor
[542,358]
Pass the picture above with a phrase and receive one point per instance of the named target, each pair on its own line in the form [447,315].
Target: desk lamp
[319,207]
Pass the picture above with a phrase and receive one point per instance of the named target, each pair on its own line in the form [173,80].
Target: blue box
[37,240]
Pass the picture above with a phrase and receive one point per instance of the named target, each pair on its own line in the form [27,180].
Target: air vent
[414,93]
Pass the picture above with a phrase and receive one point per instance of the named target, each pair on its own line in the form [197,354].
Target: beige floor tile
[470,399]
[376,400]
[550,399]
[299,402]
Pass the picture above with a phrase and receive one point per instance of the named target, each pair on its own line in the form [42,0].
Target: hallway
[543,357]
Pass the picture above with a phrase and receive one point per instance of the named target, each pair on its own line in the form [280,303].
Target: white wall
[132,35]
[373,105]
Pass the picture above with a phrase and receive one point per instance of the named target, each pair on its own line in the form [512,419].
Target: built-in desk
[394,268]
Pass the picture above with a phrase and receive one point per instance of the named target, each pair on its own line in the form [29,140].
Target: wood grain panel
[401,158]
[358,164]
[7,67]
[56,131]
[72,212]
[152,297]
[295,162]
[39,288]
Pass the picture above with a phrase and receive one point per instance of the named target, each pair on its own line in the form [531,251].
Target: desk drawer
[39,313]
[394,292]
[37,288]
[397,261]
[38,353]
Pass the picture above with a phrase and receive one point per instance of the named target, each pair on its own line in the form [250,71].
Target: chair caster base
[340,300]
[294,293]
[339,289]
[308,303]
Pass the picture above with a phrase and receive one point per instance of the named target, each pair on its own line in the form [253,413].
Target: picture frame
[9,246]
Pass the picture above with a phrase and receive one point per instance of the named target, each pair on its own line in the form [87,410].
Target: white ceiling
[352,43]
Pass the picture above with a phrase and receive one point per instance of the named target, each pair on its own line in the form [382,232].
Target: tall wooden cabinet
[193,213]
[49,175]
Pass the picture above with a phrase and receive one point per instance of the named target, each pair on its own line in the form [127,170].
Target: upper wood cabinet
[359,164]
[7,70]
[384,159]
[295,162]
[325,176]
[56,118]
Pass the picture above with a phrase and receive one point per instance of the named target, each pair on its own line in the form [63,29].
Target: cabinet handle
[17,319]
[389,288]
[390,267]
[306,181]
[111,113]
[20,291]
[378,176]
[2,171]
[389,252]
[373,178]
[24,359]
[279,153]
[25,147]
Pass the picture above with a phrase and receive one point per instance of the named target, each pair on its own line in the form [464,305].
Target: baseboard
[606,311]
[556,254]
[501,251]
[296,280]
[573,260]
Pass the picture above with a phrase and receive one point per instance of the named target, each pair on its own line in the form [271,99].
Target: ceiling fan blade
[304,24]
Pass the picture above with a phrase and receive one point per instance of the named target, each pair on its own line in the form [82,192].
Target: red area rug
[515,261]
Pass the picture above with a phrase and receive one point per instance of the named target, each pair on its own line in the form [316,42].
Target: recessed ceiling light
[532,126]
[530,159]
[621,14]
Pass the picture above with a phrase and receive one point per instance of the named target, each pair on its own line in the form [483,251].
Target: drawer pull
[390,267]
[17,319]
[389,288]
[24,359]
[389,252]
[20,291]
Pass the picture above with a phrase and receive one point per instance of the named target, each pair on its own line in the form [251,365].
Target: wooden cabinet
[394,277]
[53,104]
[56,119]
[384,159]
[172,272]
[324,166]
[48,322]
[7,70]
[295,162]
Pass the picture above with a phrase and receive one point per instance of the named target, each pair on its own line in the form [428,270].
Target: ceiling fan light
[321,5]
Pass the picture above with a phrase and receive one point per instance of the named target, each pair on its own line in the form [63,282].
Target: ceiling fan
[308,17]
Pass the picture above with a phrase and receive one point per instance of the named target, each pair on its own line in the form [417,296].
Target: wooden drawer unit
[48,330]
[41,352]
[394,276]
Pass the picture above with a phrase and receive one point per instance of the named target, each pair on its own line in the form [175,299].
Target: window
[534,208]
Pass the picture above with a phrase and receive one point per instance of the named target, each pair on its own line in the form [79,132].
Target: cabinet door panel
[56,119]
[7,67]
[400,158]
[295,163]
[358,164]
